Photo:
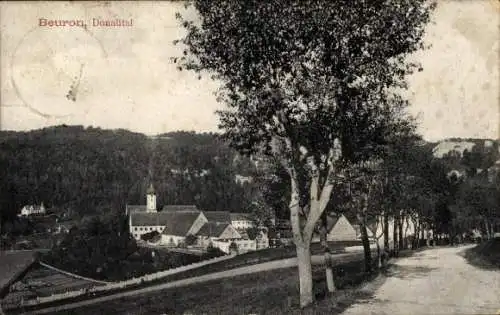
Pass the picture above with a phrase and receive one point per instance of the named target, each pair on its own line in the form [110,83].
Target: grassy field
[273,292]
[42,283]
[485,255]
[256,257]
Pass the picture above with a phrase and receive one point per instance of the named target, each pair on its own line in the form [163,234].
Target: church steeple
[151,189]
[151,199]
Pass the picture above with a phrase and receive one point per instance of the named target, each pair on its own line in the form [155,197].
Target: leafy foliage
[303,65]
[313,84]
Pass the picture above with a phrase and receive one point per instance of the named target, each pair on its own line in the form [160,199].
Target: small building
[245,246]
[262,239]
[241,221]
[33,210]
[61,229]
[176,222]
[340,229]
[180,224]
[214,231]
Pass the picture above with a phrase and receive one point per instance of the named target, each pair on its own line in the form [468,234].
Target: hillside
[92,170]
[459,145]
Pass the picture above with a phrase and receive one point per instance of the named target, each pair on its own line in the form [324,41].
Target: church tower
[151,199]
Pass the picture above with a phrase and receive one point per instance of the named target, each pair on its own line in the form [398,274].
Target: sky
[125,77]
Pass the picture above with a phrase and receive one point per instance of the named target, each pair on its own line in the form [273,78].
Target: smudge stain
[439,114]
[25,104]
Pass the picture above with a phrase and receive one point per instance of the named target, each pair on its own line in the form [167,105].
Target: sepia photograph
[248,157]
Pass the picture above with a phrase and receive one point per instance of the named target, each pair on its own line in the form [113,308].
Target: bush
[213,252]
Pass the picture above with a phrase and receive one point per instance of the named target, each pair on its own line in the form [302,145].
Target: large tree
[312,83]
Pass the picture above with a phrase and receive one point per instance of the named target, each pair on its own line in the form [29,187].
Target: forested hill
[92,170]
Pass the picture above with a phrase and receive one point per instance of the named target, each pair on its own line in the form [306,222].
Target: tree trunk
[395,236]
[328,259]
[305,275]
[366,243]
[379,256]
[400,230]
[386,231]
[487,226]
[407,227]
[416,241]
[302,244]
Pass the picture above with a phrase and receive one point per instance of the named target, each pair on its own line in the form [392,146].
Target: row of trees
[314,86]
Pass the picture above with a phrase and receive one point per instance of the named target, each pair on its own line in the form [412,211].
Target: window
[135,229]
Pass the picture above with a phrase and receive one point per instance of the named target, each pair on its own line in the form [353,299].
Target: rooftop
[240,217]
[212,229]
[151,190]
[218,216]
[180,208]
[175,223]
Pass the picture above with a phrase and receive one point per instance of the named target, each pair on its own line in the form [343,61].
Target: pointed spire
[151,190]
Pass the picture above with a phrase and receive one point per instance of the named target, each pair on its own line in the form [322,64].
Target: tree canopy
[314,84]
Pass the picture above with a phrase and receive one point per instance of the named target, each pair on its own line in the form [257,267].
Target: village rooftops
[150,219]
[212,229]
[135,208]
[218,216]
[175,223]
[180,208]
[240,217]
[179,223]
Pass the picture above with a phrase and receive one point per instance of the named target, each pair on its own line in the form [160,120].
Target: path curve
[434,281]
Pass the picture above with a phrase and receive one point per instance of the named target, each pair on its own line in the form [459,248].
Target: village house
[176,222]
[241,221]
[262,239]
[181,224]
[215,231]
[32,210]
[340,229]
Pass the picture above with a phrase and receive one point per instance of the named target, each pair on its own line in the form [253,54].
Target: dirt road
[272,265]
[436,281]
